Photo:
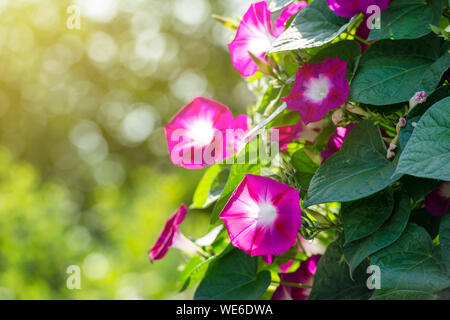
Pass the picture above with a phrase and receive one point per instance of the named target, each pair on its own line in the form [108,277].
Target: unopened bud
[337,116]
[390,154]
[402,122]
[413,124]
[419,97]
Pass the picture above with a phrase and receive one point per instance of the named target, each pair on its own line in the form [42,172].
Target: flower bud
[419,97]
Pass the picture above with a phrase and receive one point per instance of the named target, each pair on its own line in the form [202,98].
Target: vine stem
[292,284]
[361,40]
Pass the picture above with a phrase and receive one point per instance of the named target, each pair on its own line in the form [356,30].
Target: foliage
[366,201]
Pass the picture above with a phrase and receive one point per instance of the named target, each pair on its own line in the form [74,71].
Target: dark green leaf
[411,263]
[392,71]
[357,251]
[444,238]
[406,295]
[417,188]
[332,280]
[358,170]
[427,221]
[407,19]
[233,277]
[427,152]
[363,217]
[314,26]
[304,168]
[195,270]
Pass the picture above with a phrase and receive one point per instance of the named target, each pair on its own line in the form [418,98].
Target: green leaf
[346,50]
[210,186]
[424,219]
[406,295]
[408,19]
[392,71]
[304,168]
[427,152]
[415,114]
[417,188]
[233,277]
[444,238]
[286,118]
[363,217]
[314,26]
[357,251]
[411,263]
[237,173]
[276,5]
[332,280]
[358,170]
[195,270]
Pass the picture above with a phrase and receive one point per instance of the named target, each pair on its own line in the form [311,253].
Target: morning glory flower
[304,275]
[318,88]
[286,14]
[438,202]
[350,8]
[204,132]
[171,236]
[262,216]
[256,34]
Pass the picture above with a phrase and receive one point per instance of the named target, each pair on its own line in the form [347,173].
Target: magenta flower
[438,202]
[172,237]
[202,133]
[286,14]
[262,216]
[318,88]
[350,8]
[363,32]
[255,34]
[336,140]
[304,275]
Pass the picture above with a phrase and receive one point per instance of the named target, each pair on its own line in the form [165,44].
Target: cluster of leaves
[381,220]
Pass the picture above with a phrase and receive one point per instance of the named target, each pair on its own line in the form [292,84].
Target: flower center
[202,132]
[266,212]
[317,88]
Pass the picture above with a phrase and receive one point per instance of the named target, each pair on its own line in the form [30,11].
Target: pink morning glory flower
[262,216]
[336,140]
[350,8]
[204,132]
[171,236]
[304,275]
[286,14]
[318,88]
[256,34]
[438,202]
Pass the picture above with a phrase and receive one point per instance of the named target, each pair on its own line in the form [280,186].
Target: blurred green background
[85,177]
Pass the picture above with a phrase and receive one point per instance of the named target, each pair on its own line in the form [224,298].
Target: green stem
[361,40]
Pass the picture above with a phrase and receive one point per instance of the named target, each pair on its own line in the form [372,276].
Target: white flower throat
[318,88]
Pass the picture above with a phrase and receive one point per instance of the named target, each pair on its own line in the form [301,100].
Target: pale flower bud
[337,117]
[419,97]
